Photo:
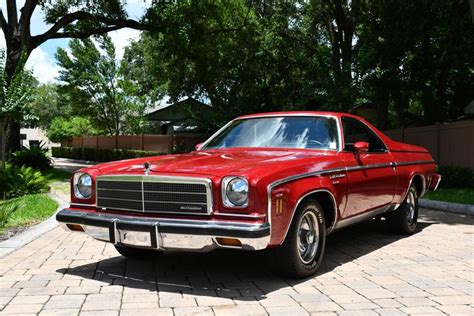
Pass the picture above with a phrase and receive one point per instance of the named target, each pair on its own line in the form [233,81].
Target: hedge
[456,177]
[100,155]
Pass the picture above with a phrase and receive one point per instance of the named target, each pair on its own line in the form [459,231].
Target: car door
[371,175]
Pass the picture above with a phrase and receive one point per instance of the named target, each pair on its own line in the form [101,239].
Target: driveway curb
[458,208]
[32,233]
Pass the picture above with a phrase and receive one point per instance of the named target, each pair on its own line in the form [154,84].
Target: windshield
[312,132]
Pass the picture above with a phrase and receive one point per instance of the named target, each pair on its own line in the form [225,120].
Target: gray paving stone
[366,272]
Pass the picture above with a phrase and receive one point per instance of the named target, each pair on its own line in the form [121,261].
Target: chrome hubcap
[308,237]
[411,207]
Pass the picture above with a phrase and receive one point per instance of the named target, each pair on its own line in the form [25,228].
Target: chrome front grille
[154,194]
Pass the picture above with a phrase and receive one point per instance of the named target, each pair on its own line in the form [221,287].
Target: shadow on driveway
[224,272]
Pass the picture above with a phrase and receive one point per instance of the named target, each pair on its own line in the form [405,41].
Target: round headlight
[83,186]
[237,191]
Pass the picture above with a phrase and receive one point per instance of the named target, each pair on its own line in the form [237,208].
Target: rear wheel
[404,220]
[137,253]
[301,253]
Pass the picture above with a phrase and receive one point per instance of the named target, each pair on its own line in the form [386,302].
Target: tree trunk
[3,142]
[12,127]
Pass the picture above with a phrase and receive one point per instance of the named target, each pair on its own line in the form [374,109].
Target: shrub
[456,177]
[18,181]
[62,129]
[34,157]
[7,209]
[100,155]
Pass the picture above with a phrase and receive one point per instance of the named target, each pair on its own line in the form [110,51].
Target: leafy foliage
[456,177]
[34,157]
[15,94]
[47,104]
[96,89]
[7,209]
[409,62]
[19,181]
[63,129]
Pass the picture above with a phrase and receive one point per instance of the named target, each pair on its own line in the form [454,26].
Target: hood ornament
[146,165]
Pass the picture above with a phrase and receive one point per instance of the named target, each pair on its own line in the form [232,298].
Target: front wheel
[404,220]
[301,253]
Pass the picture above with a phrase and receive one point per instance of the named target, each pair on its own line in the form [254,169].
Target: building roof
[178,111]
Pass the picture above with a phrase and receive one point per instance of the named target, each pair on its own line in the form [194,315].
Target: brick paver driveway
[366,271]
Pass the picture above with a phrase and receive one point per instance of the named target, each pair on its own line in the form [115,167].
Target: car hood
[213,162]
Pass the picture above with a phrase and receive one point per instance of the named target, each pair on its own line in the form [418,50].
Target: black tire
[287,259]
[137,253]
[404,220]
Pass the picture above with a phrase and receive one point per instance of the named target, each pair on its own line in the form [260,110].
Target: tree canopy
[66,19]
[410,62]
[92,81]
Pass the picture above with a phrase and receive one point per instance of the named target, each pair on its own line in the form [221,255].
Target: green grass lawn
[36,207]
[464,196]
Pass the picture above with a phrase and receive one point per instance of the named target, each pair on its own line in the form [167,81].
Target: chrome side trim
[344,169]
[361,217]
[416,162]
[372,166]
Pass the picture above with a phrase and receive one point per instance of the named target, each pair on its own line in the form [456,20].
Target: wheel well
[325,199]
[419,184]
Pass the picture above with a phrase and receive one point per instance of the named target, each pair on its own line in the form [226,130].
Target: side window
[355,131]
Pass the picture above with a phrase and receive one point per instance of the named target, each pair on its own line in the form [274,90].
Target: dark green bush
[100,155]
[456,177]
[19,181]
[34,157]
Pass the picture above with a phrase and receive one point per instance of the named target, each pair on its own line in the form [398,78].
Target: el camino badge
[337,176]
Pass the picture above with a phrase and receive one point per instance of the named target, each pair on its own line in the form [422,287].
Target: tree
[254,65]
[68,19]
[14,98]
[96,89]
[48,104]
[333,23]
[63,129]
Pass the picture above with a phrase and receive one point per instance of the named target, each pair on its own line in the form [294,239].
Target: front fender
[285,198]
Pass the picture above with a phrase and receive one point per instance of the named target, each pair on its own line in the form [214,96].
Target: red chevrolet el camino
[275,181]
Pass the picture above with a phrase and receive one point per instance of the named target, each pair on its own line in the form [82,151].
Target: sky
[42,61]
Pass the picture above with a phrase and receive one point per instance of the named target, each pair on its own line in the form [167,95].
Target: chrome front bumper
[165,234]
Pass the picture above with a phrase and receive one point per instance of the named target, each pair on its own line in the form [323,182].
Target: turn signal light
[232,242]
[75,227]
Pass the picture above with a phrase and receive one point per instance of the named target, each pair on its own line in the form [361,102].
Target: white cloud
[122,38]
[44,67]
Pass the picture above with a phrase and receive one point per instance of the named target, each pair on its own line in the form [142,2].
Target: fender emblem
[337,176]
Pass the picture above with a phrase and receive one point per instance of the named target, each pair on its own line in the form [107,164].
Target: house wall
[35,134]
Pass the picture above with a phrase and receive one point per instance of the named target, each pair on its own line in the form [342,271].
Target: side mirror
[361,147]
[198,146]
